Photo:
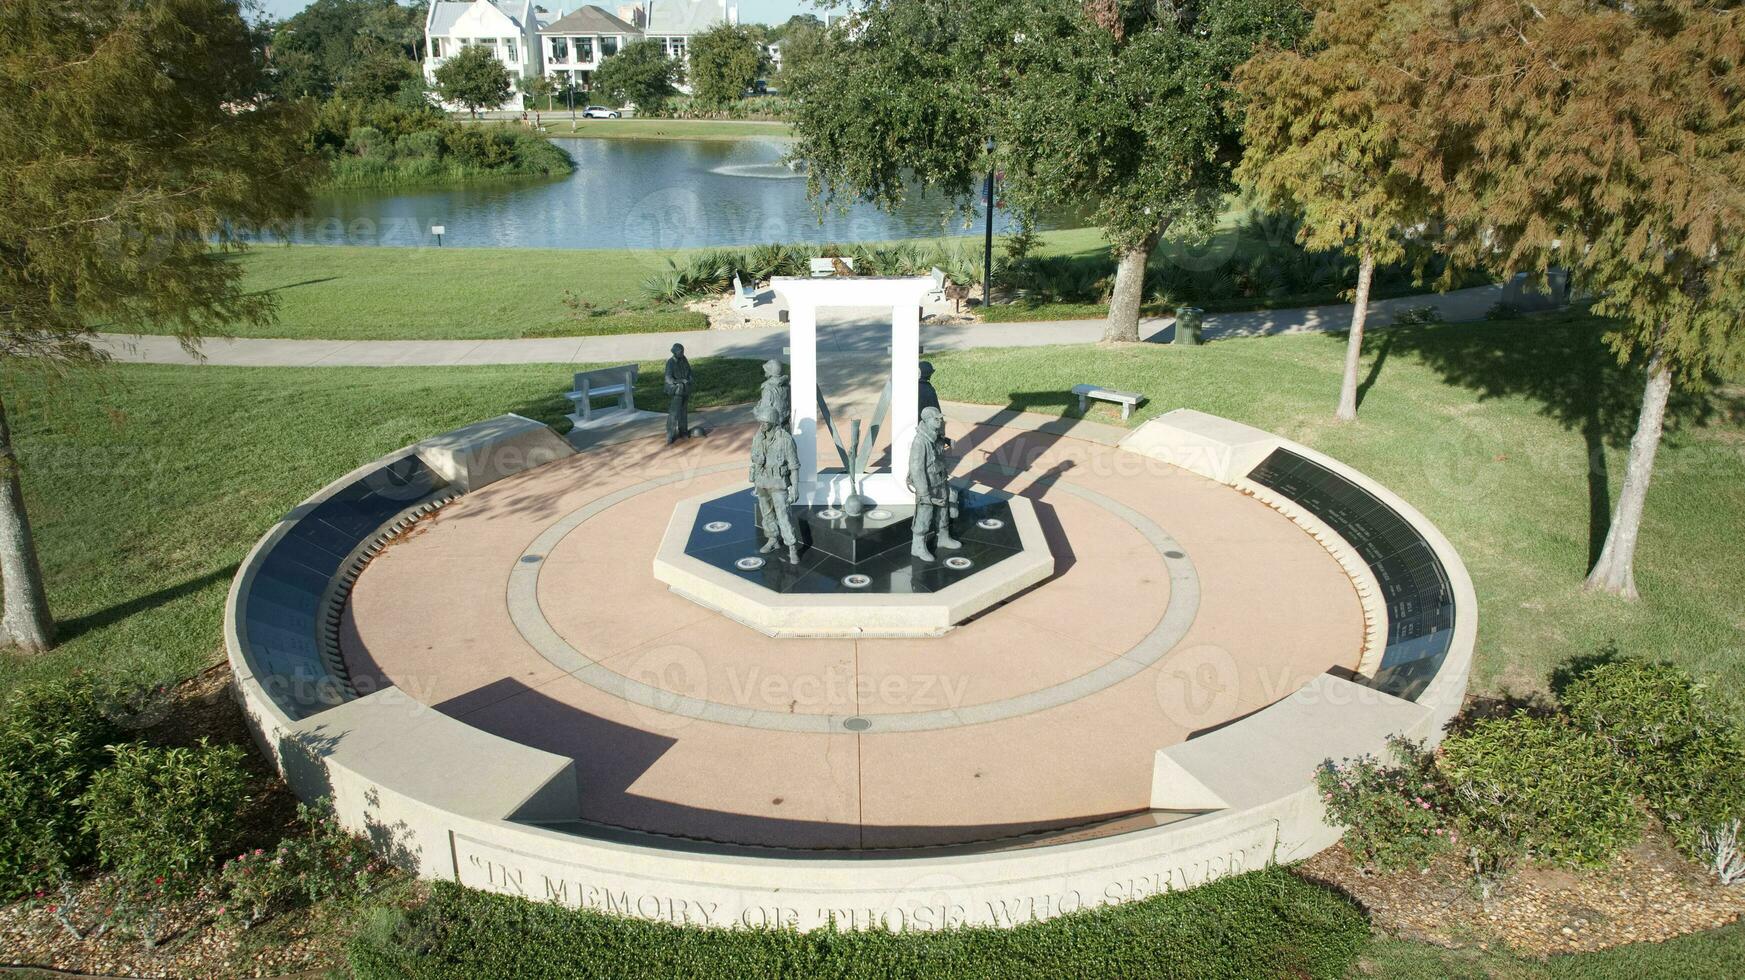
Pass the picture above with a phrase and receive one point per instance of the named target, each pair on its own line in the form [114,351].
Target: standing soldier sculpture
[775,475]
[678,389]
[925,395]
[928,472]
[775,392]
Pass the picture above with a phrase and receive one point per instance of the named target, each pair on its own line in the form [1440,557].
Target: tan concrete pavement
[430,615]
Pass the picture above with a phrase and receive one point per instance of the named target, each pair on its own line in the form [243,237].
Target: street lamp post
[988,250]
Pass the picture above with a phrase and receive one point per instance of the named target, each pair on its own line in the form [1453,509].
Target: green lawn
[1716,955]
[558,123]
[340,292]
[367,293]
[348,292]
[1262,925]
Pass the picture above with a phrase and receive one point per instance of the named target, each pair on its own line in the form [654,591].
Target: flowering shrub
[320,862]
[1395,816]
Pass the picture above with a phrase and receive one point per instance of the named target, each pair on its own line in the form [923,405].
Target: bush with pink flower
[318,861]
[1395,814]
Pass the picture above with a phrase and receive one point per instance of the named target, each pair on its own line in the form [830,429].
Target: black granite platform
[726,536]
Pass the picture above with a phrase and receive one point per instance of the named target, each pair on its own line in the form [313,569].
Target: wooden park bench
[1128,399]
[612,382]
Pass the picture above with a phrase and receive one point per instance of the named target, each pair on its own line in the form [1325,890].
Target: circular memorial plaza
[1173,605]
[591,676]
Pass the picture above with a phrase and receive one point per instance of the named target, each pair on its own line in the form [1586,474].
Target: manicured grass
[147,485]
[1264,924]
[348,292]
[365,293]
[1715,955]
[339,292]
[1488,429]
[558,124]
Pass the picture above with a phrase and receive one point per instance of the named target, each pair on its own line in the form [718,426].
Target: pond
[625,193]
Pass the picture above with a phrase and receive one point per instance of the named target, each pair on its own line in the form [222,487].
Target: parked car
[601,112]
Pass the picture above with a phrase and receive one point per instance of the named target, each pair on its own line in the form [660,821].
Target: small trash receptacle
[1188,321]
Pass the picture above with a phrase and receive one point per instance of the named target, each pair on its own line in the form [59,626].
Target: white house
[508,28]
[573,46]
[675,22]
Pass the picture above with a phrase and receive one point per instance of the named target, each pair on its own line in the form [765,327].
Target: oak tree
[474,78]
[640,74]
[1119,108]
[725,61]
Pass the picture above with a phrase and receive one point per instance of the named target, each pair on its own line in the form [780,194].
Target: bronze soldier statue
[928,478]
[775,392]
[678,389]
[926,397]
[775,475]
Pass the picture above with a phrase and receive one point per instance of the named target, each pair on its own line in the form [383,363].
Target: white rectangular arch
[804,298]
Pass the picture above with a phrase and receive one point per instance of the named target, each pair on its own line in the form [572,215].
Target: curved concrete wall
[458,803]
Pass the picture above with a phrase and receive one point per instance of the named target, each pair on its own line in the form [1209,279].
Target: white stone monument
[903,296]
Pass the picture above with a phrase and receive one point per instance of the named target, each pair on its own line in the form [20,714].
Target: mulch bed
[1648,894]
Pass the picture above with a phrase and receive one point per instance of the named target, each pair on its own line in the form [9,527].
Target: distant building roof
[589,20]
[685,16]
[445,13]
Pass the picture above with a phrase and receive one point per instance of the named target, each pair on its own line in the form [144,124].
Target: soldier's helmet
[931,416]
[766,414]
[772,369]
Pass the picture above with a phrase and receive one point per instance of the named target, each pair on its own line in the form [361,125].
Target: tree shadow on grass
[69,629]
[1377,361]
[1563,363]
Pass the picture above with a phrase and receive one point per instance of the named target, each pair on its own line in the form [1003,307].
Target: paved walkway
[865,330]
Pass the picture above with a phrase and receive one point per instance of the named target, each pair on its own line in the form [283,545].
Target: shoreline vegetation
[383,146]
[557,124]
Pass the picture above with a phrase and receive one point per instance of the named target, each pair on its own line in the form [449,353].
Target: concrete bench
[938,294]
[1128,399]
[824,268]
[614,382]
[744,297]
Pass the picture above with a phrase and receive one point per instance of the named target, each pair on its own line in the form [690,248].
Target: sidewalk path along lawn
[858,329]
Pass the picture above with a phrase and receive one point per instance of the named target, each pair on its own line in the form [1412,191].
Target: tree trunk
[1129,294]
[1354,346]
[1615,572]
[27,624]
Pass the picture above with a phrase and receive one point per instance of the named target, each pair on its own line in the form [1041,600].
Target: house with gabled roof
[509,28]
[573,46]
[675,22]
